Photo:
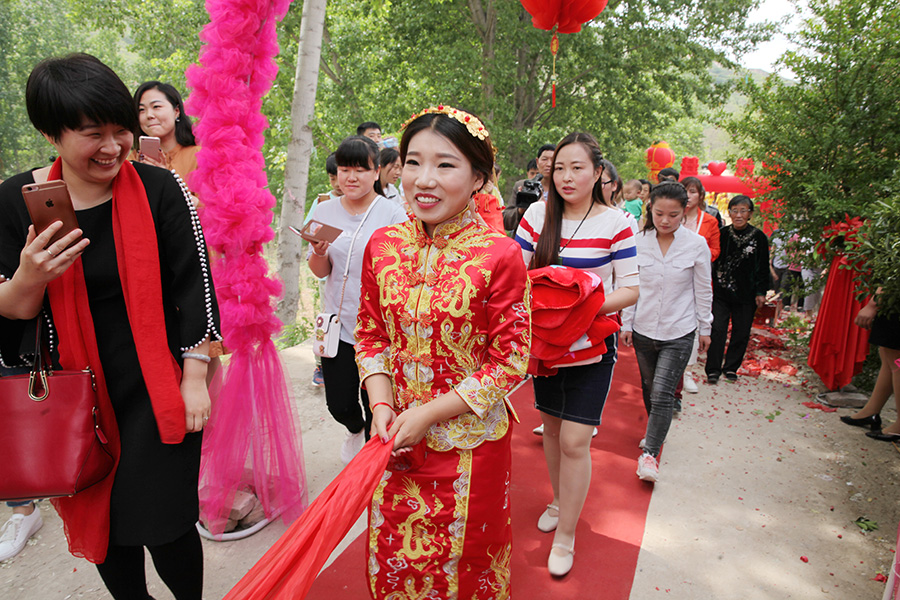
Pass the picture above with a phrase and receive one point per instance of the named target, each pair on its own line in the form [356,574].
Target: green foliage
[25,41]
[639,72]
[294,333]
[879,253]
[831,143]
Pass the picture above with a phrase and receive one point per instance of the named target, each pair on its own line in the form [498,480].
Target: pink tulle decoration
[252,439]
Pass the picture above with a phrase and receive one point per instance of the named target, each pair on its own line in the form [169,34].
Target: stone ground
[752,482]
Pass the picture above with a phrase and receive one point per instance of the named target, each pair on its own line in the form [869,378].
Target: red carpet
[609,533]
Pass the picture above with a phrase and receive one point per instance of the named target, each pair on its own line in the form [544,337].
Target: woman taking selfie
[358,213]
[140,286]
[443,338]
[578,227]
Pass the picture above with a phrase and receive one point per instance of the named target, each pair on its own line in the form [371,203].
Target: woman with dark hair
[389,173]
[700,221]
[444,333]
[161,114]
[676,296]
[578,227]
[358,213]
[740,282]
[696,218]
[140,286]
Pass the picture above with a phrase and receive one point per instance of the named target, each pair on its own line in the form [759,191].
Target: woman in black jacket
[740,282]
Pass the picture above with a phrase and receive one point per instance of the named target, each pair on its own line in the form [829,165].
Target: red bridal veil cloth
[291,565]
[838,347]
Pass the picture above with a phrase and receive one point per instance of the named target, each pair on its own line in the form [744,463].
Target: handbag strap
[350,254]
[38,389]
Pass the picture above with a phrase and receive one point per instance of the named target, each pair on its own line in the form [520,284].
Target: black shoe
[712,379]
[873,422]
[731,376]
[884,437]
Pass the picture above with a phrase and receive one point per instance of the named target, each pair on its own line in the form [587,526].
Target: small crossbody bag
[328,325]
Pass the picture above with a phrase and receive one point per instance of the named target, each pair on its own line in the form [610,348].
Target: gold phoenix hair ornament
[472,123]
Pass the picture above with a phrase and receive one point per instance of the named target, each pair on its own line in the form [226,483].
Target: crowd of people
[429,279]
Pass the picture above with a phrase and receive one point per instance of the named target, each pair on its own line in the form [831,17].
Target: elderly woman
[740,282]
[139,282]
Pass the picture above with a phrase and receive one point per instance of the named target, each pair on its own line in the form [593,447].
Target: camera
[531,192]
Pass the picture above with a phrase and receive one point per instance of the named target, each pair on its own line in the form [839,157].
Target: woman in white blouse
[676,295]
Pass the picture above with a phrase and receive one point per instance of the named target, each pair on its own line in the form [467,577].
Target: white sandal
[548,522]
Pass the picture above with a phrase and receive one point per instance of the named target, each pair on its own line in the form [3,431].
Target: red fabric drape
[838,347]
[86,515]
[288,569]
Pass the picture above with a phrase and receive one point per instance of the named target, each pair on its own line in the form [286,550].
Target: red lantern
[561,16]
[566,16]
[659,157]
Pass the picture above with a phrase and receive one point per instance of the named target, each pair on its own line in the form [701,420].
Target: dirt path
[758,499]
[742,498]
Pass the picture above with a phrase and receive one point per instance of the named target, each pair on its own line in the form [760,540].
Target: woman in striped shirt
[577,227]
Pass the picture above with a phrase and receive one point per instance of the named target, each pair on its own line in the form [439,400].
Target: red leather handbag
[53,445]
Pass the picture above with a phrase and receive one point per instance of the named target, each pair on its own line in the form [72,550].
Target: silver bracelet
[196,355]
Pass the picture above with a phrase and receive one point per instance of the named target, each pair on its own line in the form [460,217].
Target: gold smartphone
[47,203]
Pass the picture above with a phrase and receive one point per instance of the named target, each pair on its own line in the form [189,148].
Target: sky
[766,54]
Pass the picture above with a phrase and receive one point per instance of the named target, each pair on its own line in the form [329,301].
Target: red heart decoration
[717,167]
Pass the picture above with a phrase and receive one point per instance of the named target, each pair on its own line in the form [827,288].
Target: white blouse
[676,289]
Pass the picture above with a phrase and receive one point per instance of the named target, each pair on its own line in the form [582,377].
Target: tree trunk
[296,169]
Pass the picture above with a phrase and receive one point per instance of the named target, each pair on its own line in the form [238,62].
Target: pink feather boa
[252,424]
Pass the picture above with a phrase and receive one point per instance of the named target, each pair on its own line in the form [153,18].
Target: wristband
[320,255]
[372,408]
[196,356]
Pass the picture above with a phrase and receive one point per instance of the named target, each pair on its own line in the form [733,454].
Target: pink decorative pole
[252,438]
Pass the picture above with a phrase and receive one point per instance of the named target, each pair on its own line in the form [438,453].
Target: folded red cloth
[567,326]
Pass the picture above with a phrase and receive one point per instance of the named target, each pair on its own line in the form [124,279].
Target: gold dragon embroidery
[418,532]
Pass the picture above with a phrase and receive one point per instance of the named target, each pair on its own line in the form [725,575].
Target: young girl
[577,227]
[444,335]
[358,213]
[676,295]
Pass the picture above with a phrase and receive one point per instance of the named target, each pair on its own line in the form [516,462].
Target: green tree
[632,73]
[831,142]
[25,41]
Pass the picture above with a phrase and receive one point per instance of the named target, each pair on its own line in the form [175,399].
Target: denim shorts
[578,393]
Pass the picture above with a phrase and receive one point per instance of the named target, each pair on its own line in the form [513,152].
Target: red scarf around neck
[86,515]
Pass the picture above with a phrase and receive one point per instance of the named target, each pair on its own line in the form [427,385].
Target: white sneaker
[353,443]
[17,531]
[690,386]
[648,468]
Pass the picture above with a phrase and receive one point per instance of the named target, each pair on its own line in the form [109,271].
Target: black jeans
[740,314]
[342,391]
[662,364]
